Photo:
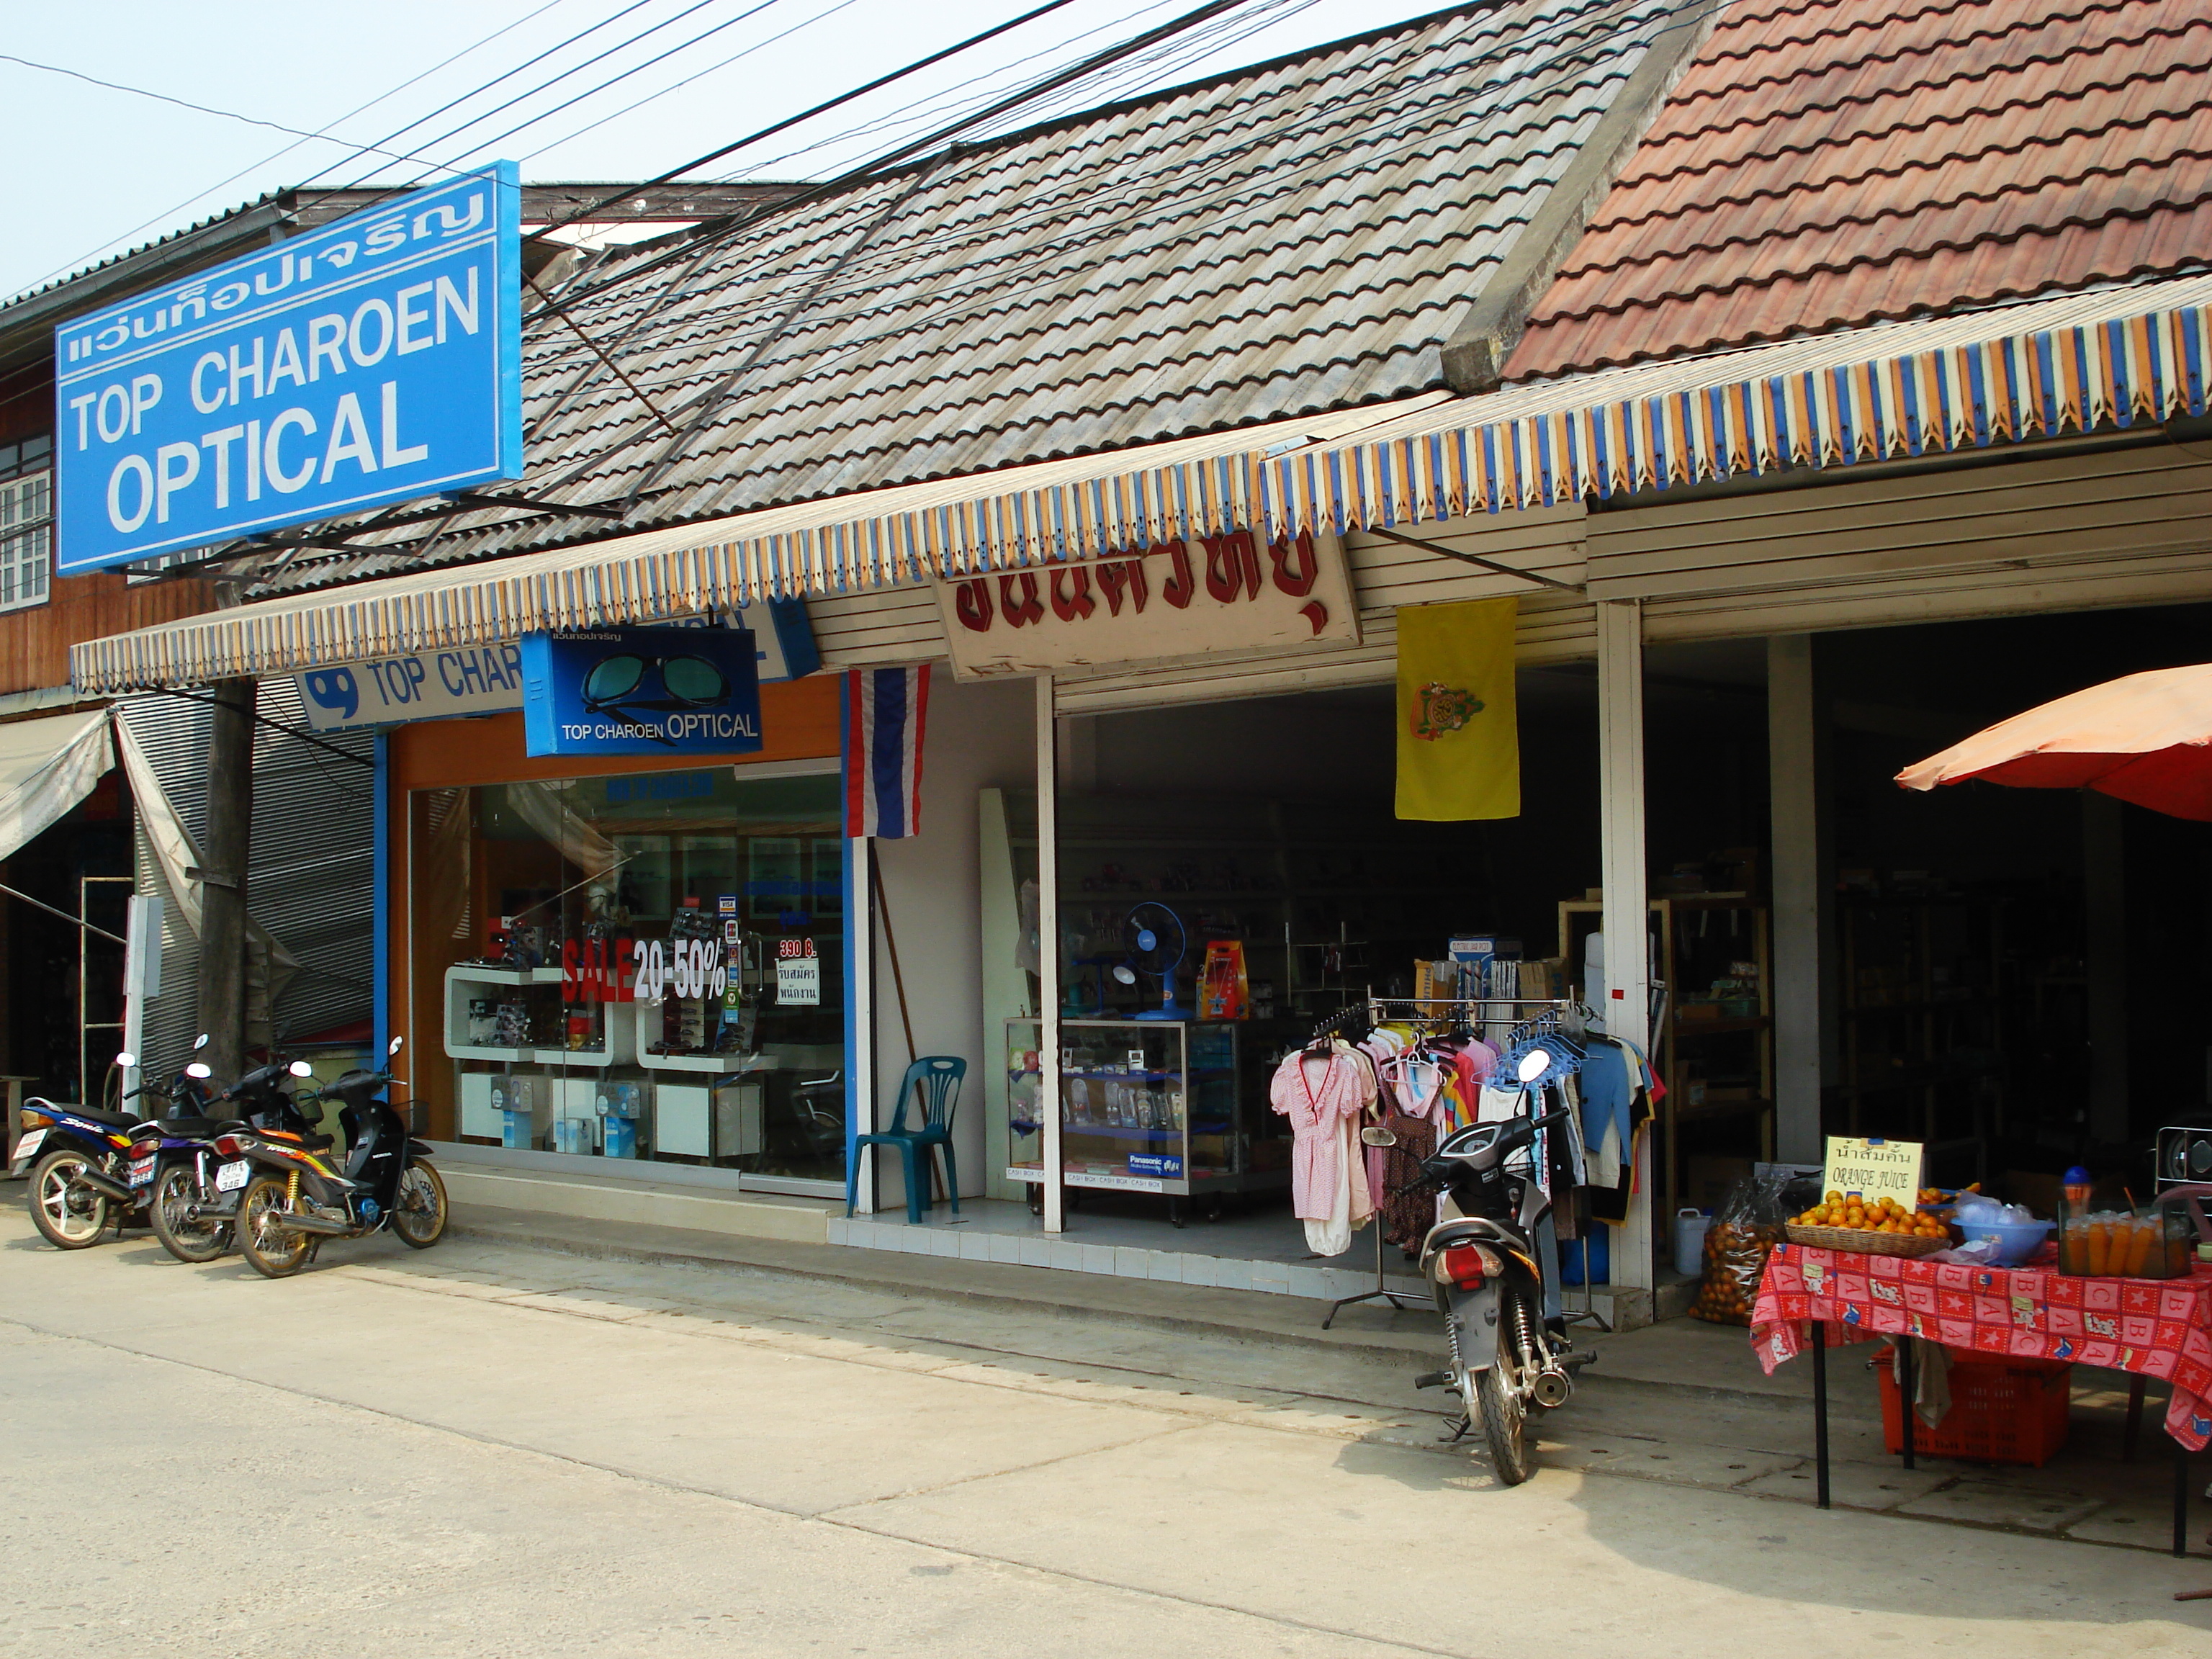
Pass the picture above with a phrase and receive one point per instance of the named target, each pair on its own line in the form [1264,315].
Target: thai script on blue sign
[640,691]
[486,679]
[376,359]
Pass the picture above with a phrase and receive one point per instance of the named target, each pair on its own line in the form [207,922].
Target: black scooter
[295,1197]
[1508,1363]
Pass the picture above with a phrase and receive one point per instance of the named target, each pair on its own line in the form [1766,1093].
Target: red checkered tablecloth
[2161,1327]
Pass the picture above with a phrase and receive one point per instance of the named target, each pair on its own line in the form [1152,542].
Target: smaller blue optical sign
[641,691]
[376,359]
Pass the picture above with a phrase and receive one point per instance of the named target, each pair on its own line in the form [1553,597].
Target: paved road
[482,1450]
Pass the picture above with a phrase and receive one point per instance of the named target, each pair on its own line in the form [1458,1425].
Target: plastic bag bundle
[1745,1227]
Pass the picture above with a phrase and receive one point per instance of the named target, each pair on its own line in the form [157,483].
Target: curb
[1420,1351]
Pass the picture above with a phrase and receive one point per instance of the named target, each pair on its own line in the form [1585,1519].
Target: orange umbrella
[2145,739]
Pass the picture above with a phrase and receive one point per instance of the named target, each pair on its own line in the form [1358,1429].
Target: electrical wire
[628,109]
[423,149]
[1274,175]
[1215,160]
[168,215]
[1514,50]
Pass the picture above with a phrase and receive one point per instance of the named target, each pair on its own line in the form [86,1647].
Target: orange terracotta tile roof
[1824,164]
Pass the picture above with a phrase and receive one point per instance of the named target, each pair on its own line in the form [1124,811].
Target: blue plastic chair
[934,1081]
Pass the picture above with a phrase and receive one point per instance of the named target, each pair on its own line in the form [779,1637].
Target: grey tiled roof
[1301,236]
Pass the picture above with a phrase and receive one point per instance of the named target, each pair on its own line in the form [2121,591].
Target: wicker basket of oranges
[1877,1226]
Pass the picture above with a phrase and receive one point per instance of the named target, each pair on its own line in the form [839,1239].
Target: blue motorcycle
[81,1165]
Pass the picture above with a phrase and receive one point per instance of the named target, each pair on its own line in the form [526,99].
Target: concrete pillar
[2105,905]
[1622,864]
[1047,822]
[1795,992]
[228,847]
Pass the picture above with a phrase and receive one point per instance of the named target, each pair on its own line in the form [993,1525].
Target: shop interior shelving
[1690,1048]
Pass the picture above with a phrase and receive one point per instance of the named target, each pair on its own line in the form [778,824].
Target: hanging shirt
[1324,1096]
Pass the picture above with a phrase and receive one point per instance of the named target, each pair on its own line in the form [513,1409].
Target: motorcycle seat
[189,1129]
[101,1114]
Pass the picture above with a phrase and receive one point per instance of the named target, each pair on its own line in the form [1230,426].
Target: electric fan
[1153,952]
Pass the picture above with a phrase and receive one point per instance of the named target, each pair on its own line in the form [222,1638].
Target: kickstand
[1459,1426]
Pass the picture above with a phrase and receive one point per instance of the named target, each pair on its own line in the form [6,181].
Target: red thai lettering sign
[1179,598]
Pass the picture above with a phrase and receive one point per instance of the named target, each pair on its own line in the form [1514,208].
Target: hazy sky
[93,171]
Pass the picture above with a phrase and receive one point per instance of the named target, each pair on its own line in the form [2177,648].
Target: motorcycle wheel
[187,1240]
[419,1216]
[272,1251]
[70,1216]
[1502,1392]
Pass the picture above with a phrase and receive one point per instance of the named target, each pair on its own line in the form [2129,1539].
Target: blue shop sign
[640,691]
[376,359]
[486,679]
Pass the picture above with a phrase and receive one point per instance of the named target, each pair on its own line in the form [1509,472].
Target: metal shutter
[310,878]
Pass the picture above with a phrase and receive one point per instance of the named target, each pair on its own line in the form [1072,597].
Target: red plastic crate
[2002,1411]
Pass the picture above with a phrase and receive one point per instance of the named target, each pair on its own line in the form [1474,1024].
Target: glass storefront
[646,967]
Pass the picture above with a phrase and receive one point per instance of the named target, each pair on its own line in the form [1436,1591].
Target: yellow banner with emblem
[1459,737]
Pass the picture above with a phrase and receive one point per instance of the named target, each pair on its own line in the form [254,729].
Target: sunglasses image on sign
[622,687]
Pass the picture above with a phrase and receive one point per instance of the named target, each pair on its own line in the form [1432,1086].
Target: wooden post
[229,844]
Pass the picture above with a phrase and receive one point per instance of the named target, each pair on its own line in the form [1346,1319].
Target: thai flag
[885,711]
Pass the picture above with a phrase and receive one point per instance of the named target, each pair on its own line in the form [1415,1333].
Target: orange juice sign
[1872,1169]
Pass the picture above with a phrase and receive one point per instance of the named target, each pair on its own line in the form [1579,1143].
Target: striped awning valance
[2041,369]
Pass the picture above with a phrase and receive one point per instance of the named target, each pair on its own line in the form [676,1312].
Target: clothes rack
[1549,1016]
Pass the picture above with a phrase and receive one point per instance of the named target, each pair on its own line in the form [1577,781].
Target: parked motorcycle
[190,1192]
[82,1179]
[1508,1363]
[294,1198]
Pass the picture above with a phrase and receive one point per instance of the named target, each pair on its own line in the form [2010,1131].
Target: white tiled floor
[1257,1252]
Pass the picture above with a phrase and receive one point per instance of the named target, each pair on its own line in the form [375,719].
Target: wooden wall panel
[34,643]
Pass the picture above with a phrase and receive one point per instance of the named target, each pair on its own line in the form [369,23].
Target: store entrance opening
[1233,875]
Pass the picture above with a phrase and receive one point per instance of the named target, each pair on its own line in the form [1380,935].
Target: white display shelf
[477,974]
[719,1064]
[594,1058]
[463,981]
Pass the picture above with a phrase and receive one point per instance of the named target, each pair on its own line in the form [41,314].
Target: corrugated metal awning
[2117,356]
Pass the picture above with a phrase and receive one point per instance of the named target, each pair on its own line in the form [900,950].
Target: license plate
[142,1171]
[27,1147]
[230,1177]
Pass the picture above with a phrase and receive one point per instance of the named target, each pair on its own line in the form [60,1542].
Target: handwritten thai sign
[1178,598]
[1872,1169]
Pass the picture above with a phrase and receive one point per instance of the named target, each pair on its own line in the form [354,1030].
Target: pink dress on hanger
[1324,1096]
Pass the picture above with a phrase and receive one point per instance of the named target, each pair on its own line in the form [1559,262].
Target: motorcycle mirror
[126,1059]
[393,1047]
[200,1042]
[1534,1064]
[199,1069]
[300,1068]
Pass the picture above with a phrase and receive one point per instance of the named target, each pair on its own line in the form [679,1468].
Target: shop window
[648,967]
[27,522]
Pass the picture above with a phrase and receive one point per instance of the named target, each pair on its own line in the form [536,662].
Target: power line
[826,104]
[677,86]
[169,214]
[181,103]
[475,146]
